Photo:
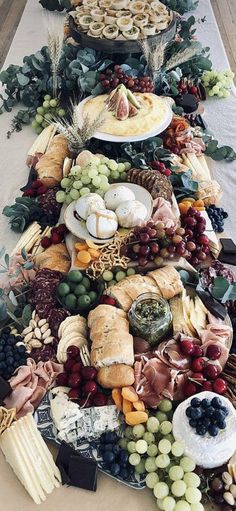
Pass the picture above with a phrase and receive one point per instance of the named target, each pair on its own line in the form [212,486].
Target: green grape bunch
[49,110]
[218,83]
[159,458]
[95,177]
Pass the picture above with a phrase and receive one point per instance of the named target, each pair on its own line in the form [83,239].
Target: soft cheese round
[207,451]
[88,204]
[131,213]
[116,195]
[102,224]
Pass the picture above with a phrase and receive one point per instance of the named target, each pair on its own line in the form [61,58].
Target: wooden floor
[225,12]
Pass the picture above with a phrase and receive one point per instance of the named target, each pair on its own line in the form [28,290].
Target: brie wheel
[207,451]
[102,224]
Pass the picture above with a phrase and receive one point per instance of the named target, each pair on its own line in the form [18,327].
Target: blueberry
[116,449]
[225,214]
[16,357]
[111,437]
[193,423]
[108,447]
[124,456]
[218,415]
[124,473]
[2,366]
[213,430]
[21,349]
[12,340]
[221,424]
[6,330]
[224,410]
[22,361]
[188,411]
[102,437]
[115,469]
[201,429]
[216,402]
[2,356]
[206,421]
[205,403]
[9,360]
[108,457]
[196,413]
[209,411]
[195,402]
[8,349]
[18,338]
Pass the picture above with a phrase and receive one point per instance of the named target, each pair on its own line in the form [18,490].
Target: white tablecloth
[220,116]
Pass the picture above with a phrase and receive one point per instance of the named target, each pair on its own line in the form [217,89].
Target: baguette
[116,376]
[55,257]
[49,168]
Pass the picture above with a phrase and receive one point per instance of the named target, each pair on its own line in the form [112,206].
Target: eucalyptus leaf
[2,252]
[1,292]
[28,266]
[3,310]
[24,254]
[26,315]
[219,288]
[23,79]
[7,259]
[230,293]
[13,298]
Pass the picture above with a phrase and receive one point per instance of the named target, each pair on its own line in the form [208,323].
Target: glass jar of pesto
[150,317]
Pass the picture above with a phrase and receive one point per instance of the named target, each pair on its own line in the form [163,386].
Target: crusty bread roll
[55,257]
[168,281]
[50,166]
[119,375]
[111,341]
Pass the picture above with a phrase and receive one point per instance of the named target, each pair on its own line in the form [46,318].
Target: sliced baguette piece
[43,140]
[116,376]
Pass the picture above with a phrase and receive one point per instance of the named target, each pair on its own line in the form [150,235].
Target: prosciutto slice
[30,384]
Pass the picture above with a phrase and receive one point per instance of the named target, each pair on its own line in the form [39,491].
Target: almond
[41,323]
[47,333]
[37,333]
[44,328]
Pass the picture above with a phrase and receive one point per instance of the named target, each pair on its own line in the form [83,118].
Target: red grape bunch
[160,166]
[111,79]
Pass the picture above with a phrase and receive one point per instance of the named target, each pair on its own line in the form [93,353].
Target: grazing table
[220,117]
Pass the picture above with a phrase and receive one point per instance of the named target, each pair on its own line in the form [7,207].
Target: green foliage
[55,5]
[183,184]
[218,153]
[22,213]
[181,6]
[222,290]
[140,153]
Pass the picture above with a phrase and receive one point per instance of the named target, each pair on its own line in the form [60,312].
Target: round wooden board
[119,46]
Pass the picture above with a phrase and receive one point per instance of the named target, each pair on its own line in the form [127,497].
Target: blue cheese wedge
[74,423]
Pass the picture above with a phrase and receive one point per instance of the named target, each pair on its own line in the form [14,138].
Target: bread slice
[168,281]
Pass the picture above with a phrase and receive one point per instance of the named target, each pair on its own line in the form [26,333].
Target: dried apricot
[133,418]
[84,257]
[129,394]
[81,246]
[117,398]
[91,244]
[183,207]
[127,406]
[94,253]
[139,405]
[198,203]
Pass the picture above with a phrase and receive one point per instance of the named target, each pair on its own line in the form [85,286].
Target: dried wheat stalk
[55,35]
[182,56]
[154,56]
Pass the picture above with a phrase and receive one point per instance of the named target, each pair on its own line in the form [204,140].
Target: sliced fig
[131,97]
[122,106]
[132,110]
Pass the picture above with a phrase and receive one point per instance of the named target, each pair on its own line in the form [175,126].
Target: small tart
[120,4]
[137,6]
[162,25]
[97,14]
[105,3]
[132,34]
[96,28]
[85,21]
[109,20]
[147,8]
[93,35]
[148,30]
[158,7]
[90,3]
[140,20]
[128,14]
[111,12]
[110,32]
[124,23]
[156,18]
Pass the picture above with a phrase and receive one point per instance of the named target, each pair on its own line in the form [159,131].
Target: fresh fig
[122,106]
[131,97]
[132,110]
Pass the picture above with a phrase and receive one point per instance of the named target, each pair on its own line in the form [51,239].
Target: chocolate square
[5,389]
[83,473]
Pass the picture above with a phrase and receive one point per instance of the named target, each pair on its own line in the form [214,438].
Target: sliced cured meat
[170,353]
[220,332]
[224,351]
